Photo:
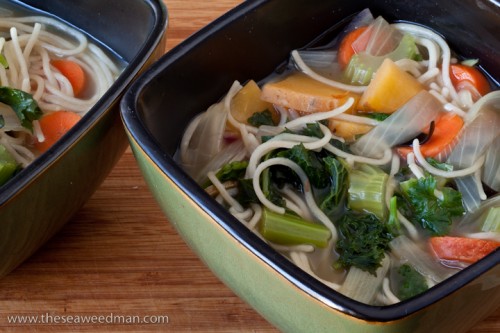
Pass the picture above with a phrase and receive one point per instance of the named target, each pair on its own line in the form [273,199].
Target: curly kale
[363,241]
[433,210]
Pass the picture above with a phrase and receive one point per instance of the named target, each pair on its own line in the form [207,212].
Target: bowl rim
[42,163]
[138,132]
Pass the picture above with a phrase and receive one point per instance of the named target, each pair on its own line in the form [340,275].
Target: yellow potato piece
[247,102]
[390,88]
[301,93]
[346,129]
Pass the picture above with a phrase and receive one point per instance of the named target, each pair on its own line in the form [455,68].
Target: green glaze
[37,212]
[277,299]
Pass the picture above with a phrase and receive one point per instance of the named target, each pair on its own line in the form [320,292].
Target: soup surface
[371,163]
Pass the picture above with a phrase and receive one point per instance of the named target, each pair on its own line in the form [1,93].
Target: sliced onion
[476,138]
[403,125]
[206,135]
[491,171]
[380,38]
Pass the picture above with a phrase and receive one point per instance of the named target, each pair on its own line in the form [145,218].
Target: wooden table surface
[119,256]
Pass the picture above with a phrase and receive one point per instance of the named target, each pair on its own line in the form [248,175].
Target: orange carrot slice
[73,71]
[464,77]
[463,249]
[446,130]
[346,51]
[54,126]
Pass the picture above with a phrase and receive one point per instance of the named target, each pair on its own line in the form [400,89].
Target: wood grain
[120,256]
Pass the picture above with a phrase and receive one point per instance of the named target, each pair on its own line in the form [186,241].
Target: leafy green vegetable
[411,282]
[246,193]
[313,130]
[439,165]
[425,208]
[8,165]
[261,118]
[393,221]
[338,188]
[232,171]
[290,229]
[362,242]
[310,162]
[23,104]
[377,115]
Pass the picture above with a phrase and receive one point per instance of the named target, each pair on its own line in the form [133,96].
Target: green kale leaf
[310,162]
[232,171]
[261,118]
[425,208]
[25,107]
[338,189]
[363,241]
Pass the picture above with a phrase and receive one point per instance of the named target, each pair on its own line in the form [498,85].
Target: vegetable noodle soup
[51,74]
[371,163]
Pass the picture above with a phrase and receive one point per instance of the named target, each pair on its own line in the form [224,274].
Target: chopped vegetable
[393,223]
[261,118]
[337,190]
[347,129]
[491,220]
[469,78]
[411,283]
[310,162]
[73,72]
[8,165]
[420,259]
[54,125]
[425,208]
[390,88]
[367,187]
[362,66]
[446,130]
[246,103]
[468,250]
[491,173]
[302,93]
[363,241]
[346,51]
[404,124]
[362,286]
[232,171]
[290,229]
[23,104]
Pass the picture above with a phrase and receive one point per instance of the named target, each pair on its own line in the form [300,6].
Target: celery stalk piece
[491,220]
[367,190]
[361,285]
[289,229]
[8,165]
[362,66]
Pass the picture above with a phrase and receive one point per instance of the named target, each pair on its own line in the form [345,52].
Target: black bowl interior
[249,43]
[129,29]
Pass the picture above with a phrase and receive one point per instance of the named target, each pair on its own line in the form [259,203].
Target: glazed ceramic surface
[41,198]
[249,43]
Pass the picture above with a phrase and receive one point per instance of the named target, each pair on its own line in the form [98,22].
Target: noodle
[34,42]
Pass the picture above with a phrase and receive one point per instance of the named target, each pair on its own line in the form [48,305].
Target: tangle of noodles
[260,147]
[29,44]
